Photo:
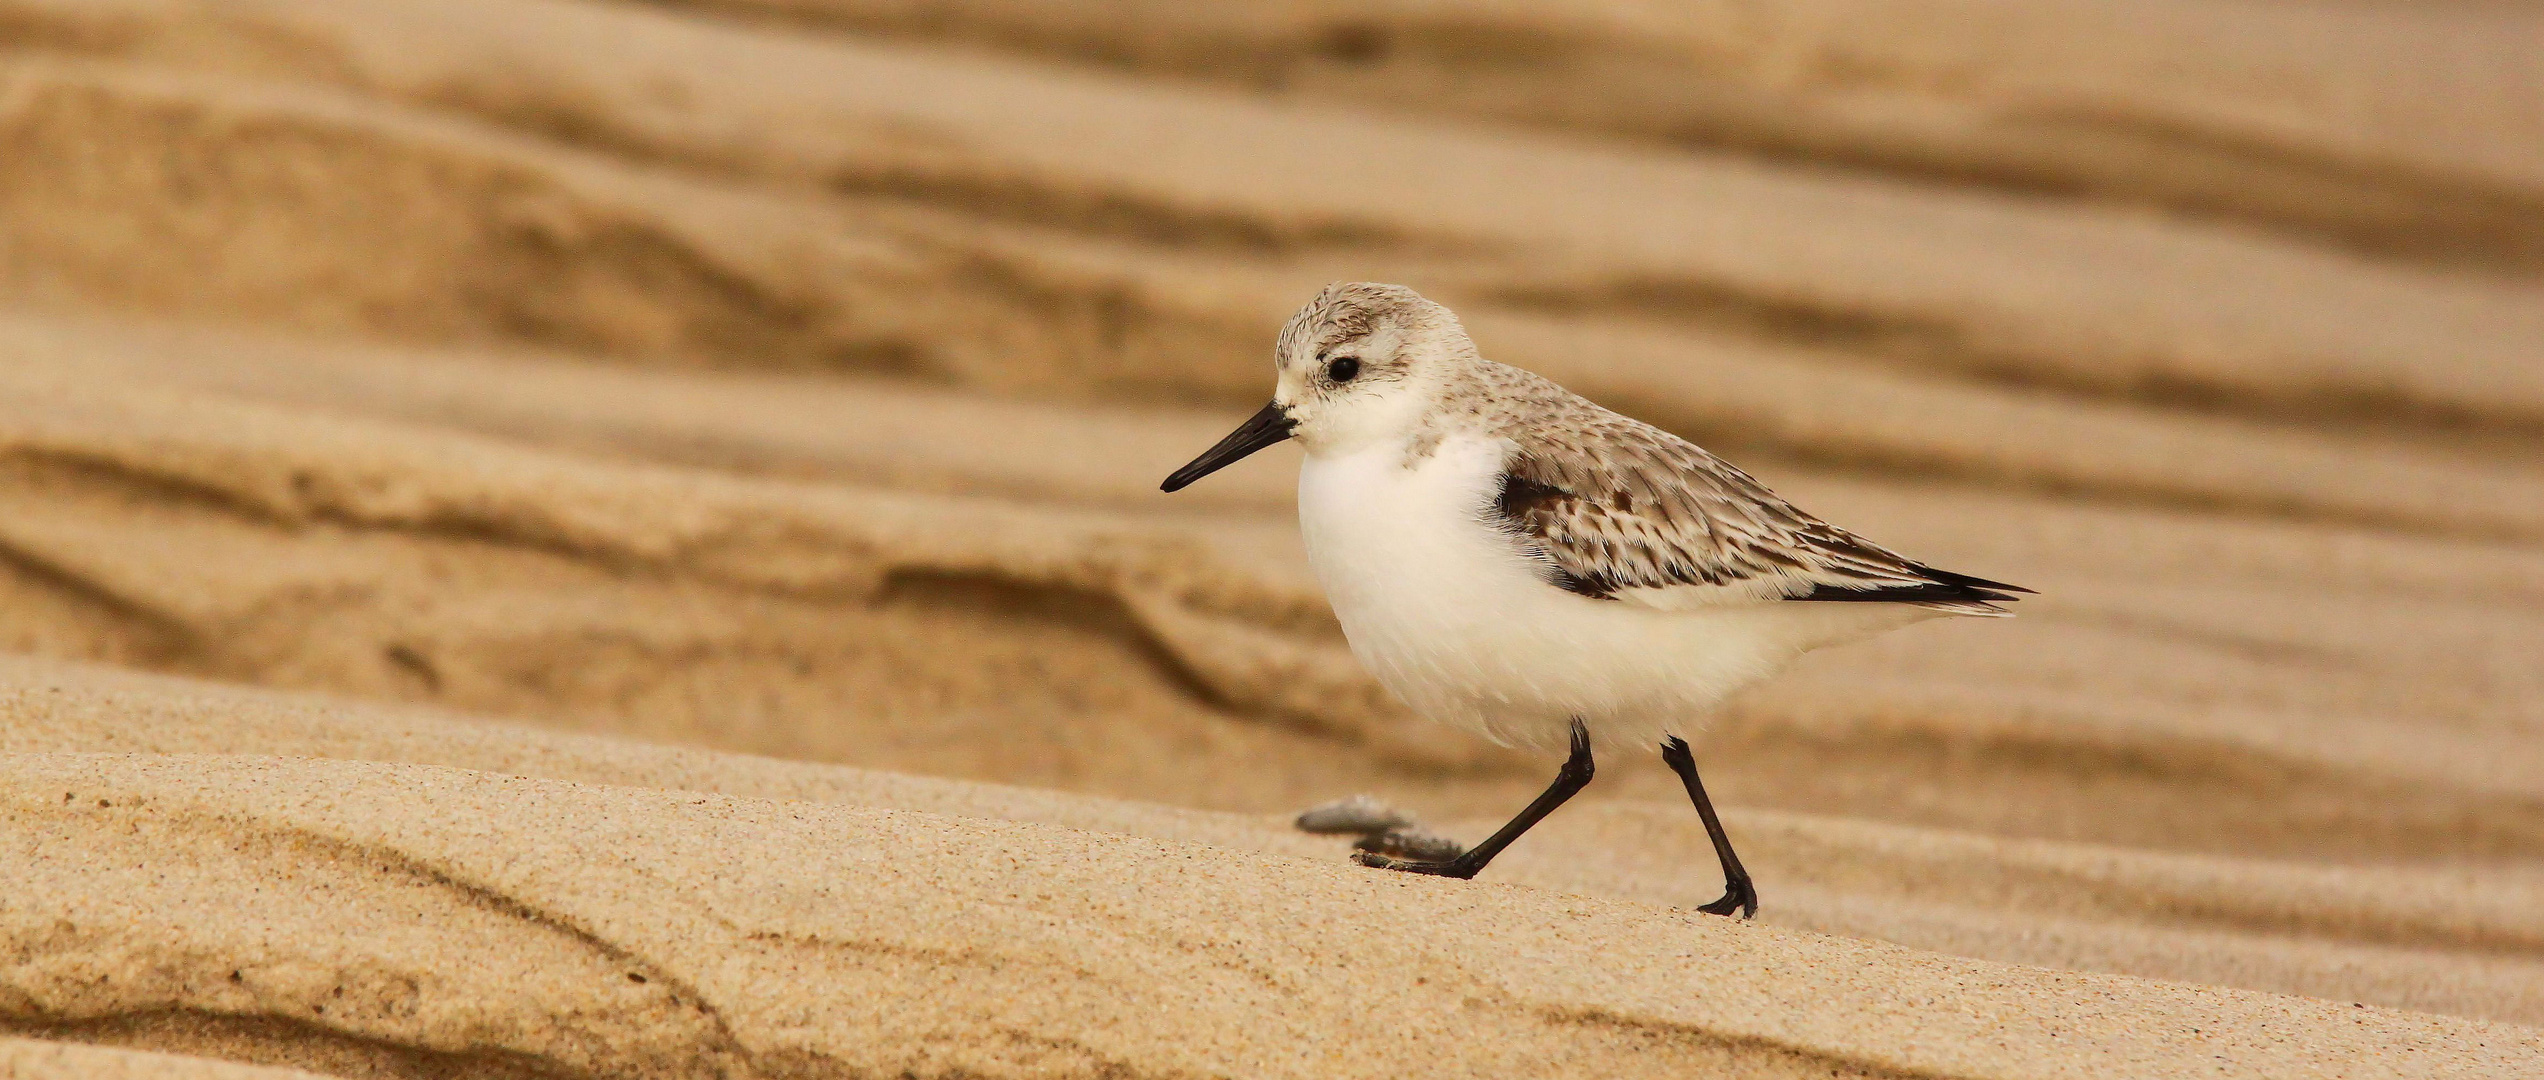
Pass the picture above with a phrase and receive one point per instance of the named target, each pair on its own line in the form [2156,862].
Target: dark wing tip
[1949,578]
[1924,592]
[1940,587]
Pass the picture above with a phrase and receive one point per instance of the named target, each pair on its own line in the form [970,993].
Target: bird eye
[1343,368]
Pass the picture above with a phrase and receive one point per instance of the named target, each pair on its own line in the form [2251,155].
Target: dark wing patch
[1530,507]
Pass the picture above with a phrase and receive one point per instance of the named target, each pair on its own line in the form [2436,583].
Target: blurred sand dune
[548,380]
[2407,129]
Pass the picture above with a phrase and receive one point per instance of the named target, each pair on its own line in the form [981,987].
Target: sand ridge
[576,881]
[38,1059]
[2442,940]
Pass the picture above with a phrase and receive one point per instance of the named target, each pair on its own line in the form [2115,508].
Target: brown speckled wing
[1616,506]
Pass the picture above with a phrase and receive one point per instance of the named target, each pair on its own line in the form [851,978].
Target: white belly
[1453,618]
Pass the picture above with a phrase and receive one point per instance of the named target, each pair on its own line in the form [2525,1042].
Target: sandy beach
[559,538]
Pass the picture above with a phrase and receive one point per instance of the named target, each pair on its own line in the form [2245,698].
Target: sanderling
[1510,558]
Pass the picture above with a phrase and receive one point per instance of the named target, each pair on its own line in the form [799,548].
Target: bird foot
[1360,815]
[1450,868]
[1738,895]
[1410,842]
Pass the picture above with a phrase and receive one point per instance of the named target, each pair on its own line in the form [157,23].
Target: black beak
[1259,431]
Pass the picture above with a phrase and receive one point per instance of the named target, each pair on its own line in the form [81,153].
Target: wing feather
[1620,510]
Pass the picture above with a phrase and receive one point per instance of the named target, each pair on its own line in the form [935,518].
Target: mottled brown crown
[1350,310]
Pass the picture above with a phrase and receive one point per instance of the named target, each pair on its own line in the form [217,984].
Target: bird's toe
[1411,842]
[1410,866]
[1738,895]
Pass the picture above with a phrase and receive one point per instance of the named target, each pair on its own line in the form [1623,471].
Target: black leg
[1568,782]
[1738,894]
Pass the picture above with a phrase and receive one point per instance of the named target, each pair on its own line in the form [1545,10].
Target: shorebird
[1507,557]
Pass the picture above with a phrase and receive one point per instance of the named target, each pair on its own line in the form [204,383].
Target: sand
[632,920]
[583,538]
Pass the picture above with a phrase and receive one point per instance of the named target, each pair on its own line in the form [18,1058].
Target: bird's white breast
[1456,618]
